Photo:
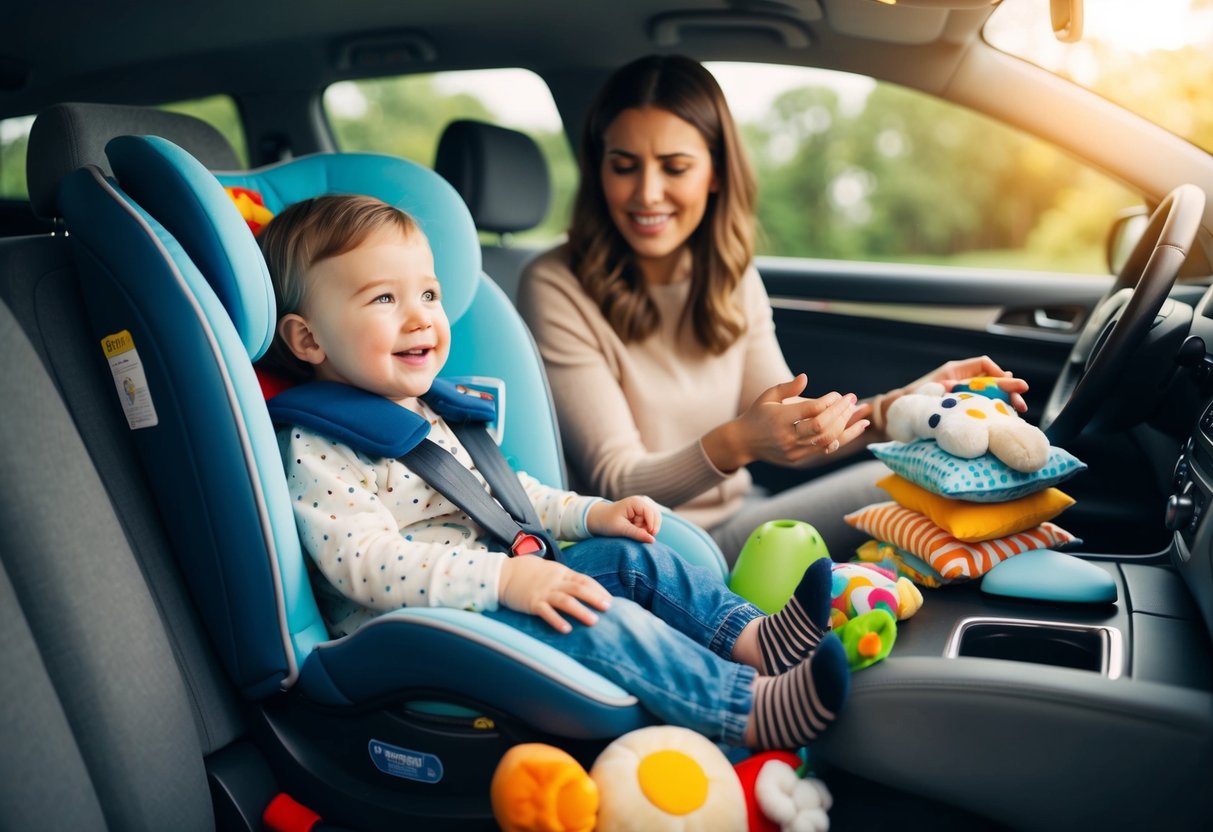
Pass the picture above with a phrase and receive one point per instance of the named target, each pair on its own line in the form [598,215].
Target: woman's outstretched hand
[954,372]
[786,429]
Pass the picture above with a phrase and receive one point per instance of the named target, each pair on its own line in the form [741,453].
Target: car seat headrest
[191,204]
[500,173]
[68,136]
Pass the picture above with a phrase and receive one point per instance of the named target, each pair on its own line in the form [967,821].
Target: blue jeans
[667,638]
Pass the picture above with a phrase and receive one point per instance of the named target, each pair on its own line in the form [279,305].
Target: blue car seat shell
[141,249]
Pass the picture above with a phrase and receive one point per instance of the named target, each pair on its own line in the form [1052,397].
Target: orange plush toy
[251,206]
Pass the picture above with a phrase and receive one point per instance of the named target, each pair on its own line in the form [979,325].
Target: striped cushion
[951,558]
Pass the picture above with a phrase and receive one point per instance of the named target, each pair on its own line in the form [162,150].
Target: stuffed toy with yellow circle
[657,779]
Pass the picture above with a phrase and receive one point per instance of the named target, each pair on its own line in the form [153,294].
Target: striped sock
[791,635]
[795,707]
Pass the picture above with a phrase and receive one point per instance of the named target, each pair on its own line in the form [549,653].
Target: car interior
[164,663]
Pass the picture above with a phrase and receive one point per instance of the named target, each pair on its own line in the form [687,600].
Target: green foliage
[220,112]
[405,116]
[909,177]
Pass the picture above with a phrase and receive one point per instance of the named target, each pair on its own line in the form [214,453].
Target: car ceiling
[148,51]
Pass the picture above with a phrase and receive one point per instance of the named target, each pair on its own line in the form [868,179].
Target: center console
[1069,706]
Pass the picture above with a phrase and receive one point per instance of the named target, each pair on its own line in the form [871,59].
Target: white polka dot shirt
[383,539]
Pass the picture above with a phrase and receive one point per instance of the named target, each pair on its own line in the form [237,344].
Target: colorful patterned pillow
[899,562]
[972,522]
[953,559]
[981,480]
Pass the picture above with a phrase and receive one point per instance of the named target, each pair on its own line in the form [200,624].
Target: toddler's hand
[546,588]
[636,517]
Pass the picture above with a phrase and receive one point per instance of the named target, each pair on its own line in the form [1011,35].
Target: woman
[657,332]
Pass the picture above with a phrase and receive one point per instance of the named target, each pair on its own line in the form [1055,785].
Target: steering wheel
[1124,317]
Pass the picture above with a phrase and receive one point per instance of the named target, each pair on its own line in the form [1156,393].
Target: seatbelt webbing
[435,465]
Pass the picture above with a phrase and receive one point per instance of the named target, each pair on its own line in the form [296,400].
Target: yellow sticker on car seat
[130,380]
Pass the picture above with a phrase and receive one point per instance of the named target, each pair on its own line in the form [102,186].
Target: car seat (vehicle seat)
[503,177]
[182,330]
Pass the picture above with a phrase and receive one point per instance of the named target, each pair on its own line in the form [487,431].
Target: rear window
[218,110]
[405,116]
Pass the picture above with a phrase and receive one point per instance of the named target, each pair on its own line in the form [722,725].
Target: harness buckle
[527,544]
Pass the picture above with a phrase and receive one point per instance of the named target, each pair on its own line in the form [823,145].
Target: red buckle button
[527,544]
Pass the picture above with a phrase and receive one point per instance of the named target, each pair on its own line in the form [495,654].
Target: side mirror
[1126,230]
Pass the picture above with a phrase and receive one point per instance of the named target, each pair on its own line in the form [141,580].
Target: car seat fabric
[68,136]
[108,673]
[336,672]
[500,173]
[40,284]
[503,177]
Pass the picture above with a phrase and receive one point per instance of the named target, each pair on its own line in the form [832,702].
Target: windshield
[1151,56]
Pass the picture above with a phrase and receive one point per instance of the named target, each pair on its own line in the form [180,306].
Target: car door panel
[867,328]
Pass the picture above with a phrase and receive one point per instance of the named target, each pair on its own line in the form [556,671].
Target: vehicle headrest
[191,204]
[68,136]
[501,174]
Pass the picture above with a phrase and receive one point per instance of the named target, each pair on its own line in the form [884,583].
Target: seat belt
[377,427]
[510,518]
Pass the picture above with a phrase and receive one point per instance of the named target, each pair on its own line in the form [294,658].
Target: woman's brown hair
[300,237]
[723,244]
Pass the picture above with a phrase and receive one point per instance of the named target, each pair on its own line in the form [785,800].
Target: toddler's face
[376,314]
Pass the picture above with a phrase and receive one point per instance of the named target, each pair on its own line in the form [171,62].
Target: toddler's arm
[546,588]
[636,517]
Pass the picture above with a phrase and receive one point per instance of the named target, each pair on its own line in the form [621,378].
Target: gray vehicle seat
[502,176]
[95,717]
[130,701]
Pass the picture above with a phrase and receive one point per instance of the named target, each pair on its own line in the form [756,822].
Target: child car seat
[181,305]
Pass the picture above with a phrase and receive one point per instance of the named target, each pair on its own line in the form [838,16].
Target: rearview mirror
[1126,230]
[1067,19]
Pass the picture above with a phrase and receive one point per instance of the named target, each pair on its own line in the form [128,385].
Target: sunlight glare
[1146,27]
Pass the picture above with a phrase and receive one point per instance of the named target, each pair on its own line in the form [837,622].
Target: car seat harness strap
[378,427]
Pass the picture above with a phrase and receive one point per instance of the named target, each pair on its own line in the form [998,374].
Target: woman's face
[656,176]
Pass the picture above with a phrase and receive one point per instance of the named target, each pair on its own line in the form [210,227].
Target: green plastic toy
[773,561]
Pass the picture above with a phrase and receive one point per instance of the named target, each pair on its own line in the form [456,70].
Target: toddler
[359,304]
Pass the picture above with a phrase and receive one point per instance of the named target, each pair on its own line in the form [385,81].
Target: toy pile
[656,778]
[866,600]
[972,485]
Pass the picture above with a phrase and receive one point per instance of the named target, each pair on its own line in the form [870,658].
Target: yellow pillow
[972,522]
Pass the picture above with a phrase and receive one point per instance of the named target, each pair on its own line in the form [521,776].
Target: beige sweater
[632,415]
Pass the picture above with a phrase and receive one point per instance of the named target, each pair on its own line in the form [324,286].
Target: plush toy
[860,588]
[778,799]
[667,778]
[868,638]
[968,425]
[540,788]
[251,206]
[656,779]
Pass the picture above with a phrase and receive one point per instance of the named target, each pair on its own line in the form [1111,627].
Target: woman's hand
[783,428]
[546,588]
[636,517]
[949,375]
[954,372]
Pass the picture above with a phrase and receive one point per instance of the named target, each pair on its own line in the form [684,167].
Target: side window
[855,169]
[14,138]
[218,110]
[405,116]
